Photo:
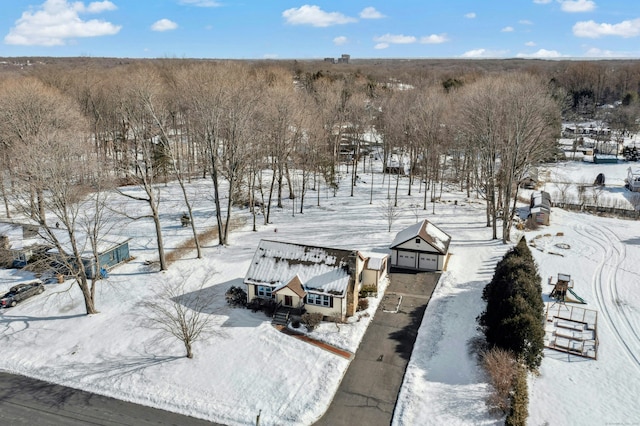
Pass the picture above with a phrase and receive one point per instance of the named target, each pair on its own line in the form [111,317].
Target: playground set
[573,329]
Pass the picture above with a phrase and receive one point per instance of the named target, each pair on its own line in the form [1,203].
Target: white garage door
[407,259]
[428,261]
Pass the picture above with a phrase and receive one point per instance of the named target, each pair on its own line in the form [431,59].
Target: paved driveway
[369,389]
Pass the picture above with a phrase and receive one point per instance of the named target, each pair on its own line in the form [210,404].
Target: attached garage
[422,247]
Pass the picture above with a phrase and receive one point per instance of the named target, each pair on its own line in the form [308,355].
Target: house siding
[339,308]
[285,291]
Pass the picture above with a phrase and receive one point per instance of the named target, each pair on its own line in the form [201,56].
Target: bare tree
[56,173]
[186,317]
[389,212]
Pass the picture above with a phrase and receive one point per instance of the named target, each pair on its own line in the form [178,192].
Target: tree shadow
[406,336]
[212,301]
[45,393]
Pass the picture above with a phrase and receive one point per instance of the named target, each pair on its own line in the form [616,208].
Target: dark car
[19,292]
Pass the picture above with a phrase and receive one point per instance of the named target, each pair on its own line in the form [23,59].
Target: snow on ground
[444,386]
[247,366]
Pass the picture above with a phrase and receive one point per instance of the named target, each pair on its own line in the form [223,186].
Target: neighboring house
[318,279]
[19,243]
[422,247]
[540,207]
[633,179]
[111,252]
[22,241]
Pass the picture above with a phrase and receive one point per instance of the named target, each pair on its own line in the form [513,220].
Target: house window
[417,240]
[264,291]
[319,299]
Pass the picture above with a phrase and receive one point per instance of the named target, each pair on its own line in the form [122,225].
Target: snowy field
[247,366]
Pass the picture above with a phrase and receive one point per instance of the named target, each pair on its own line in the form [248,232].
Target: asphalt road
[368,392]
[25,401]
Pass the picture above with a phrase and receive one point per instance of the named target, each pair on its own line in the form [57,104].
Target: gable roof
[426,230]
[295,285]
[319,269]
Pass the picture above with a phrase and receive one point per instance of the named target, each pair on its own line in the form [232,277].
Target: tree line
[261,132]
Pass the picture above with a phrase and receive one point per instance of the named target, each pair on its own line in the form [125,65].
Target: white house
[422,247]
[318,279]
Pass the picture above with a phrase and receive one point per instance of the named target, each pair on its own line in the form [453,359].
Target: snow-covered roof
[104,243]
[426,230]
[375,261]
[319,269]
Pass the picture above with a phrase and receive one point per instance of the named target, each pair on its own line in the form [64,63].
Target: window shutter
[331,301]
[304,299]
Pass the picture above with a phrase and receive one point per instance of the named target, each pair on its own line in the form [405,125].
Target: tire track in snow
[604,284]
[621,249]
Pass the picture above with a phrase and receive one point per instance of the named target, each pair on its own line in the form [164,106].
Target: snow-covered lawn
[443,384]
[247,366]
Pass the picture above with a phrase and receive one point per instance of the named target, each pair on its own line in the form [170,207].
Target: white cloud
[525,22]
[530,43]
[370,13]
[484,53]
[270,56]
[380,46]
[542,53]
[164,25]
[201,3]
[576,6]
[56,21]
[470,15]
[542,1]
[507,30]
[339,41]
[594,52]
[97,7]
[314,16]
[591,29]
[434,39]
[395,39]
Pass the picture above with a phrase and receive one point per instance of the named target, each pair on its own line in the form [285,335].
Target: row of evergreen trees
[513,325]
[514,317]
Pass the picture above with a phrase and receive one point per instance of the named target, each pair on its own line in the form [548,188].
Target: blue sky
[284,29]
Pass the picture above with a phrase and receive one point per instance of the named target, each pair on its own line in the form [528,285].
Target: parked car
[19,292]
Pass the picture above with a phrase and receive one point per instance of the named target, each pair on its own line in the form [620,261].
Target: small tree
[389,212]
[183,316]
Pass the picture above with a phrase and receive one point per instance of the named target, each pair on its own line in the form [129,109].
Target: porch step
[280,318]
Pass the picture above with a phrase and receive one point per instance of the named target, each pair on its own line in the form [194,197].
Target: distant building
[343,59]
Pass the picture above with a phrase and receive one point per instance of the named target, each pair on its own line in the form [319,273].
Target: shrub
[311,320]
[295,323]
[519,400]
[236,296]
[363,304]
[501,367]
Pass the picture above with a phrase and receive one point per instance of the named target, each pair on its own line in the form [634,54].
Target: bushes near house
[236,296]
[368,291]
[311,320]
[363,304]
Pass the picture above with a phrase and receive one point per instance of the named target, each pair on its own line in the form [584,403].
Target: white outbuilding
[420,247]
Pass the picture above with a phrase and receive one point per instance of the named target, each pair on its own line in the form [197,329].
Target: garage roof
[429,232]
